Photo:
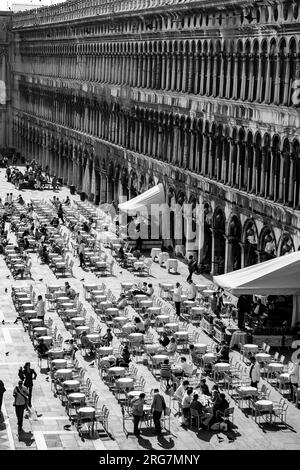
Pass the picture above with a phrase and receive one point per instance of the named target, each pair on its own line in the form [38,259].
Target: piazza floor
[44,430]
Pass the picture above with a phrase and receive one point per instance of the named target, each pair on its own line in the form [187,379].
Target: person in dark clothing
[60,213]
[2,390]
[28,375]
[164,341]
[192,263]
[158,406]
[20,395]
[223,354]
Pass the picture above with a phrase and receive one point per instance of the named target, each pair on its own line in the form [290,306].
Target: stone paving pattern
[45,428]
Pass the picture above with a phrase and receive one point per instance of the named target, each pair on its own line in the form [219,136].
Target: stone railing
[77,9]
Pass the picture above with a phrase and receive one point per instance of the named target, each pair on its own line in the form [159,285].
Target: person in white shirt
[177,298]
[40,308]
[254,372]
[192,290]
[139,325]
[186,403]
[150,291]
[180,391]
[187,367]
[171,347]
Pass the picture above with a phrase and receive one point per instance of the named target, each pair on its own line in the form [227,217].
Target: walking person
[20,395]
[254,372]
[40,308]
[177,298]
[192,263]
[28,375]
[60,213]
[81,249]
[158,406]
[137,412]
[2,390]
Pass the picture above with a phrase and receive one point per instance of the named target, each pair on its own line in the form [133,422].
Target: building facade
[201,96]
[5,25]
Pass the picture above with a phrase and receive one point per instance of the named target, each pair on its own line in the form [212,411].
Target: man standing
[191,267]
[177,298]
[81,250]
[158,406]
[40,308]
[254,372]
[137,412]
[192,290]
[2,390]
[20,395]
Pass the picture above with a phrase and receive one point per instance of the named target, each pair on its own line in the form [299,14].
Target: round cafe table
[201,348]
[59,363]
[30,313]
[112,311]
[120,320]
[55,353]
[75,396]
[263,357]
[163,318]
[65,374]
[136,337]
[126,285]
[66,305]
[201,287]
[159,358]
[81,329]
[127,328]
[154,310]
[155,252]
[105,351]
[78,321]
[197,311]
[71,312]
[275,367]
[247,391]
[250,348]
[172,326]
[28,306]
[189,303]
[40,331]
[96,292]
[222,367]
[35,322]
[125,382]
[208,292]
[209,358]
[105,305]
[47,339]
[145,303]
[94,338]
[62,299]
[117,371]
[99,298]
[139,297]
[138,264]
[87,412]
[152,348]
[181,335]
[264,404]
[134,393]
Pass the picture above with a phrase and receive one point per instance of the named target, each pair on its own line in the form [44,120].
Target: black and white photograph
[149,230]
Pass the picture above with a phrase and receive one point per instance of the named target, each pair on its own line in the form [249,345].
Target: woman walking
[28,375]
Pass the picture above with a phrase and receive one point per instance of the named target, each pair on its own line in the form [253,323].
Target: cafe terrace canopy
[278,276]
[154,195]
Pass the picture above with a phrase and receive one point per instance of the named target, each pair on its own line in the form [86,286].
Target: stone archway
[286,244]
[218,245]
[206,255]
[234,253]
[267,244]
[250,241]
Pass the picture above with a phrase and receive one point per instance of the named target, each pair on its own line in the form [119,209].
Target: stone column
[174,71]
[262,171]
[179,72]
[196,75]
[204,154]
[228,76]
[184,73]
[103,189]
[286,80]
[243,84]
[259,78]
[163,72]
[277,80]
[291,183]
[221,87]
[202,78]
[215,67]
[266,98]
[191,73]
[249,95]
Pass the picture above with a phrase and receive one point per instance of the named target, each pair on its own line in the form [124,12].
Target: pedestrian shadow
[145,443]
[165,443]
[26,437]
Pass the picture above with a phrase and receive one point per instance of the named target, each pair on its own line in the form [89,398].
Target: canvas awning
[279,276]
[154,195]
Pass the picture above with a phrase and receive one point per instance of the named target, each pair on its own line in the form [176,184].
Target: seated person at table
[139,291]
[166,371]
[70,292]
[121,253]
[42,348]
[121,302]
[86,227]
[54,222]
[67,201]
[147,319]
[20,200]
[180,391]
[186,403]
[107,338]
[87,343]
[187,368]
[196,405]
[204,387]
[164,340]
[124,360]
[44,255]
[223,353]
[139,325]
[150,291]
[71,349]
[215,394]
[195,356]
[171,347]
[136,253]
[220,405]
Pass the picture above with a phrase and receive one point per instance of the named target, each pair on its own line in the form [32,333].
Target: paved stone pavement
[45,428]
